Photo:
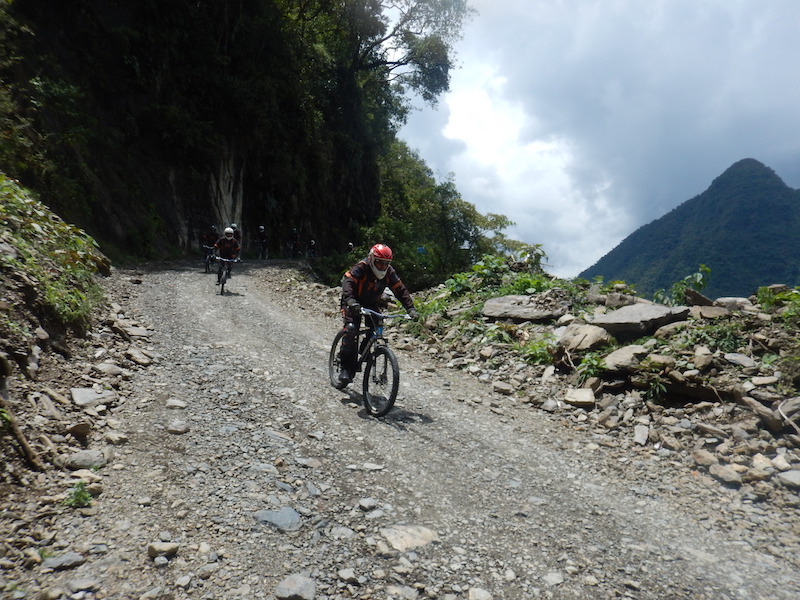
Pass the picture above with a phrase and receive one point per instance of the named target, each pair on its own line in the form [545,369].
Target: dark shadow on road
[398,417]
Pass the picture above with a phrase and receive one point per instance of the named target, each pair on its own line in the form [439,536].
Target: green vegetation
[78,497]
[677,293]
[145,122]
[591,365]
[48,269]
[537,351]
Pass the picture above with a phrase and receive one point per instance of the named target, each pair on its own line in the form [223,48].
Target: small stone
[165,549]
[790,479]
[178,427]
[296,587]
[725,474]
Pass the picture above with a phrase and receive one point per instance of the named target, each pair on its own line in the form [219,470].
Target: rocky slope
[221,464]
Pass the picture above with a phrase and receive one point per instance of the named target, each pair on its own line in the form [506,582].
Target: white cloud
[582,120]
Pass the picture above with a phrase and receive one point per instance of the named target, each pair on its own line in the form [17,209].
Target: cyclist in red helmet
[363,285]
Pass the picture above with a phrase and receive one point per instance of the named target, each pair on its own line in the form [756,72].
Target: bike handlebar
[375,313]
[228,259]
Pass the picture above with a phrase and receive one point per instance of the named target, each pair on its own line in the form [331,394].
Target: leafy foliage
[78,496]
[53,260]
[677,293]
[145,122]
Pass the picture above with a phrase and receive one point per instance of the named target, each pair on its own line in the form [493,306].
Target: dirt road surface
[246,462]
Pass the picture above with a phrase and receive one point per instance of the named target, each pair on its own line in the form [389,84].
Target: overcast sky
[582,120]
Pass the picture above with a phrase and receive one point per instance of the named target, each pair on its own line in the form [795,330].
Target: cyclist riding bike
[227,247]
[363,285]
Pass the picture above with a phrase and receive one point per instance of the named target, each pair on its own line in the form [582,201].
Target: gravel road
[455,494]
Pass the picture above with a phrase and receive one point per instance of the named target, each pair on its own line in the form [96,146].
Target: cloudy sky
[582,120]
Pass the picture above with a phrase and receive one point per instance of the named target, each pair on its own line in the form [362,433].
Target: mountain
[745,227]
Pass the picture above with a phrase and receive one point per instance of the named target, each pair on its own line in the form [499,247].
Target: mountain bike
[209,257]
[224,272]
[381,378]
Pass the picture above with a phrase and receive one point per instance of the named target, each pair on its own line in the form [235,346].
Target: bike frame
[376,339]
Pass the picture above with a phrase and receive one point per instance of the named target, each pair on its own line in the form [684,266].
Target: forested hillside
[745,228]
[146,121]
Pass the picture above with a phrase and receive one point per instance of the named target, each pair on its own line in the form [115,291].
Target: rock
[296,587]
[502,387]
[519,308]
[769,418]
[478,594]
[640,434]
[84,584]
[407,537]
[68,560]
[577,338]
[85,459]
[694,298]
[638,320]
[109,369]
[712,430]
[708,312]
[725,474]
[581,397]
[734,303]
[285,519]
[550,405]
[88,397]
[790,479]
[741,360]
[138,356]
[165,549]
[626,358]
[553,578]
[704,458]
[178,427]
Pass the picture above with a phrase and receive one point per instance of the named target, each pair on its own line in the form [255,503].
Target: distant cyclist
[236,233]
[363,285]
[261,240]
[227,247]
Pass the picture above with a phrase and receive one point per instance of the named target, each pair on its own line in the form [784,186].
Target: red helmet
[379,258]
[381,252]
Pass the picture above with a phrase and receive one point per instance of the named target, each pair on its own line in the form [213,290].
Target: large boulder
[579,337]
[639,320]
[521,308]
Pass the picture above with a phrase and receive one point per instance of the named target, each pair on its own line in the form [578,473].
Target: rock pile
[698,382]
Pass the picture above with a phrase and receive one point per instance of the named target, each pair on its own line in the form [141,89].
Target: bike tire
[208,265]
[381,381]
[222,279]
[334,363]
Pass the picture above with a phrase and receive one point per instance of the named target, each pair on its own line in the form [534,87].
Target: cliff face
[160,118]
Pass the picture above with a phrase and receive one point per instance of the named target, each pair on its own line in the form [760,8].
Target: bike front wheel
[223,277]
[335,363]
[381,381]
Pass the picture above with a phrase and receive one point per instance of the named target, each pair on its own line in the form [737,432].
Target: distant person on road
[227,247]
[236,233]
[363,285]
[293,245]
[312,249]
[261,240]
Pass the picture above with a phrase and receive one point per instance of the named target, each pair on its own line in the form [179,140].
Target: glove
[413,314]
[353,305]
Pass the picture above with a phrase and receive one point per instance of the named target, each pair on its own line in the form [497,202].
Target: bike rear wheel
[334,363]
[381,381]
[208,263]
